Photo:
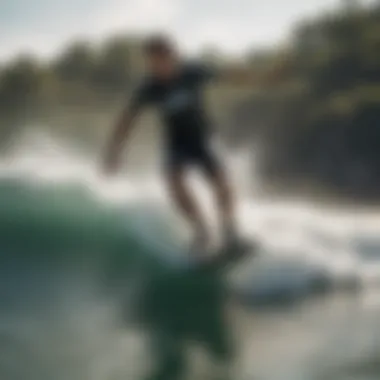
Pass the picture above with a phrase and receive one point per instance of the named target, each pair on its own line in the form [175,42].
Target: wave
[68,225]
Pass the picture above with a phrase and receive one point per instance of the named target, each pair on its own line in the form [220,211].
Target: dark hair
[159,44]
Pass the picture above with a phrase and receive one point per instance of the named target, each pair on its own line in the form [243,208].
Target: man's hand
[120,133]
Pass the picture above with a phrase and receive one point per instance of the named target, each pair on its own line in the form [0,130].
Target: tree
[114,70]
[76,64]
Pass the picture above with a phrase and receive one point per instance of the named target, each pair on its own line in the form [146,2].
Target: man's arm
[119,137]
[249,77]
[124,125]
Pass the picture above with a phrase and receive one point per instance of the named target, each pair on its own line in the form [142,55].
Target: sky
[45,26]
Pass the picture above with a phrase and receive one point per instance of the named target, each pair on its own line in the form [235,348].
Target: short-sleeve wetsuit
[180,103]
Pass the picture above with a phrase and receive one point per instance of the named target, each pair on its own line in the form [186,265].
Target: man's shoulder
[143,92]
[145,87]
[144,83]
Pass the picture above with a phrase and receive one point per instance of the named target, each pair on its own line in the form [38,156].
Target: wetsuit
[187,128]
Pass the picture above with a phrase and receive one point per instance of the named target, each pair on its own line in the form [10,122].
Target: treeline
[77,93]
[322,125]
[68,92]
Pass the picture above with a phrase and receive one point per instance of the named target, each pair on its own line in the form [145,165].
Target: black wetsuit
[180,102]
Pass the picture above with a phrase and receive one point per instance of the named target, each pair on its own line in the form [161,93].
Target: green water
[57,241]
[88,293]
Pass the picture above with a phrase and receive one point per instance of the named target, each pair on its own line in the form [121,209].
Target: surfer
[175,87]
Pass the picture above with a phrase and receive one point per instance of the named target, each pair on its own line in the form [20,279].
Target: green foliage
[326,127]
[76,64]
[68,93]
[114,69]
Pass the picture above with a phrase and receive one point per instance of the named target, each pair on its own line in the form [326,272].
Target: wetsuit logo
[178,101]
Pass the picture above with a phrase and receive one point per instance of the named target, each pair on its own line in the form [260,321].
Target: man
[175,88]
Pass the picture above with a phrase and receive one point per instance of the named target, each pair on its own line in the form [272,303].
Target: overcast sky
[43,26]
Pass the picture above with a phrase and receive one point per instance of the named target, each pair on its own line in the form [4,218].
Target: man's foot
[200,244]
[230,238]
[233,245]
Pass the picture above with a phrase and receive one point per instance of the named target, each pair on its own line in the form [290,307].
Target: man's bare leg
[225,203]
[184,199]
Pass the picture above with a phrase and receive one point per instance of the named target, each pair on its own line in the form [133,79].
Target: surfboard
[226,256]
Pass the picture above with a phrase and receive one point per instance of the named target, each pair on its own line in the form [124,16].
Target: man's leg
[221,185]
[225,201]
[184,199]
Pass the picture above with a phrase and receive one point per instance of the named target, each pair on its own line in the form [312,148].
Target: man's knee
[221,184]
[179,189]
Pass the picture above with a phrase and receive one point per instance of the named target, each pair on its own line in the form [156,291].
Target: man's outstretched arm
[119,137]
[248,77]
